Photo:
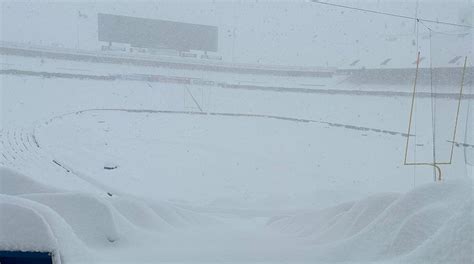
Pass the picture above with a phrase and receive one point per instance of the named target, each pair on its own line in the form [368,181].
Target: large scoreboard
[157,34]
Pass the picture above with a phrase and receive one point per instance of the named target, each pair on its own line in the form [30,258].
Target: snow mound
[91,218]
[308,223]
[181,217]
[139,213]
[29,226]
[13,183]
[24,228]
[431,218]
[453,243]
[76,225]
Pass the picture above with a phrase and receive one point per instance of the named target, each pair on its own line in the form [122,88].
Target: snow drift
[430,224]
[421,226]
[74,225]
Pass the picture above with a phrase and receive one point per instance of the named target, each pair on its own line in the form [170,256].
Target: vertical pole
[433,111]
[412,106]
[459,107]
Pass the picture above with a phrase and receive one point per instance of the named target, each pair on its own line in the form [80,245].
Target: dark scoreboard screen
[155,33]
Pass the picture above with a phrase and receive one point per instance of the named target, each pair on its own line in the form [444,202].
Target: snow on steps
[431,224]
[20,151]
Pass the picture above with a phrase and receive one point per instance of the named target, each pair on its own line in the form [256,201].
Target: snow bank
[77,226]
[13,183]
[452,243]
[181,217]
[139,213]
[432,223]
[91,218]
[29,226]
[24,229]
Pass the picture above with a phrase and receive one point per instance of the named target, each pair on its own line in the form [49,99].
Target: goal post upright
[434,164]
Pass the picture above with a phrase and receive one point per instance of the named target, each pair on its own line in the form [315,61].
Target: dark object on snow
[60,165]
[385,62]
[354,62]
[110,167]
[454,60]
[26,257]
[109,194]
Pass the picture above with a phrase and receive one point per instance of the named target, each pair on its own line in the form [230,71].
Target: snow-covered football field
[125,171]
